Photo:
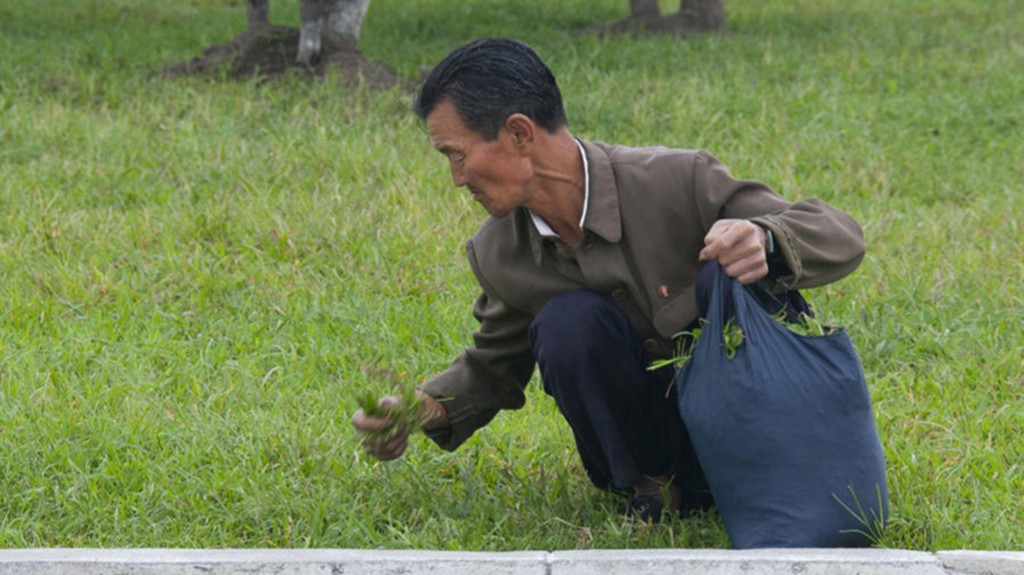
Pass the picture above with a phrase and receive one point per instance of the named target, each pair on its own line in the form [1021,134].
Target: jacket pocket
[676,313]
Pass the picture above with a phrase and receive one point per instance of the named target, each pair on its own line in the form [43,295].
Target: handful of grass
[406,415]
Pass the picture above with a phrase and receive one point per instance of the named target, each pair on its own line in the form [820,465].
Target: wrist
[433,412]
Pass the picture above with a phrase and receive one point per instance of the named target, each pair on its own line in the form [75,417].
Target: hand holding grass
[386,423]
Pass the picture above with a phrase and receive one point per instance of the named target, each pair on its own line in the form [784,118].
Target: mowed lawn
[198,277]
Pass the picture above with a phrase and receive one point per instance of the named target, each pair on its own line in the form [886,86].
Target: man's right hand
[382,439]
[379,436]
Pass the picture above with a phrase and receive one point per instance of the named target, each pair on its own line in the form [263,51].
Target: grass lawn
[198,278]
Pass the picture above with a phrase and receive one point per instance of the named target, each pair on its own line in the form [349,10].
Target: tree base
[271,51]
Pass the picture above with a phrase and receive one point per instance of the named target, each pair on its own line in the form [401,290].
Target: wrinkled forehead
[445,126]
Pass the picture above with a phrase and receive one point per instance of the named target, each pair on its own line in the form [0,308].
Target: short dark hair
[490,79]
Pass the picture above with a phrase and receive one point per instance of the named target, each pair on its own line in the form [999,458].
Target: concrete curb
[378,562]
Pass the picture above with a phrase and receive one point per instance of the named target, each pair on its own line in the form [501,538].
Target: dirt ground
[271,52]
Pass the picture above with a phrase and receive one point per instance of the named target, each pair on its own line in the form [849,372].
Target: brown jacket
[648,213]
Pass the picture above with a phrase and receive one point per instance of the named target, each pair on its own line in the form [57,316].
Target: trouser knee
[579,326]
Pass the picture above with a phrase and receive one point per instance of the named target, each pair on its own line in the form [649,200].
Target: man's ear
[521,129]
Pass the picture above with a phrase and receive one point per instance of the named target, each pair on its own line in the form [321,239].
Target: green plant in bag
[732,338]
[685,340]
[805,325]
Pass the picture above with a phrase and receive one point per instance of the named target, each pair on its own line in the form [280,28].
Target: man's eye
[457,159]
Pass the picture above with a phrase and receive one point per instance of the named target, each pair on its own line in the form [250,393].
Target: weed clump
[406,415]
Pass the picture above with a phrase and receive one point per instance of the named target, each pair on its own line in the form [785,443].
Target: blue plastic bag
[783,429]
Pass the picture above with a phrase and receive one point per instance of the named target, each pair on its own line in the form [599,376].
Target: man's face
[495,172]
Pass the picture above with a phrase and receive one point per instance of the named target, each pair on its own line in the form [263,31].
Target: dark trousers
[625,418]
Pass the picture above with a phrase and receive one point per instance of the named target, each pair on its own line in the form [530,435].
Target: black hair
[490,79]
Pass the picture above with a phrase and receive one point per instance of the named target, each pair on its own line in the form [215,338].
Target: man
[588,265]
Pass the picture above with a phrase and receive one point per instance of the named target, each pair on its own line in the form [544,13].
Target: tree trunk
[702,15]
[341,19]
[257,11]
[311,17]
[644,9]
[345,18]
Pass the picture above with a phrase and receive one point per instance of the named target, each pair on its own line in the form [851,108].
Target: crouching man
[588,265]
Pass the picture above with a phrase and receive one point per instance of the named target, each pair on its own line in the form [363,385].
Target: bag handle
[715,284]
[732,300]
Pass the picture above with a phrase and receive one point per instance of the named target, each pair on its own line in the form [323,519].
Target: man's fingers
[368,424]
[389,402]
[722,239]
[738,245]
[739,254]
[747,271]
[386,448]
[712,243]
[747,266]
[381,438]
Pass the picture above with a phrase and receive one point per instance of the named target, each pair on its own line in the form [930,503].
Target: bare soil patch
[270,52]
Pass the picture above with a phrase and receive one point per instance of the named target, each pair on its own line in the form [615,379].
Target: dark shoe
[644,509]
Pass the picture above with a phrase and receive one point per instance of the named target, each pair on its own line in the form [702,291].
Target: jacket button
[619,294]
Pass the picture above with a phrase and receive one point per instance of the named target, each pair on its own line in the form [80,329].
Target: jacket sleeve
[819,243]
[489,376]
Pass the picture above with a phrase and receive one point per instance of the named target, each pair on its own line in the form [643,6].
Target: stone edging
[379,562]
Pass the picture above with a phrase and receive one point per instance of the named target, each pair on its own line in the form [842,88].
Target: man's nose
[457,176]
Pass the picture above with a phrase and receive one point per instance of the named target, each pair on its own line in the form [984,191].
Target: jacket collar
[602,217]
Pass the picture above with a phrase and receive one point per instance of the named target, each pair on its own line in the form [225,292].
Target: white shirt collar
[542,227]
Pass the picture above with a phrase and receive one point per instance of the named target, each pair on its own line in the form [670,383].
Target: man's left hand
[739,246]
